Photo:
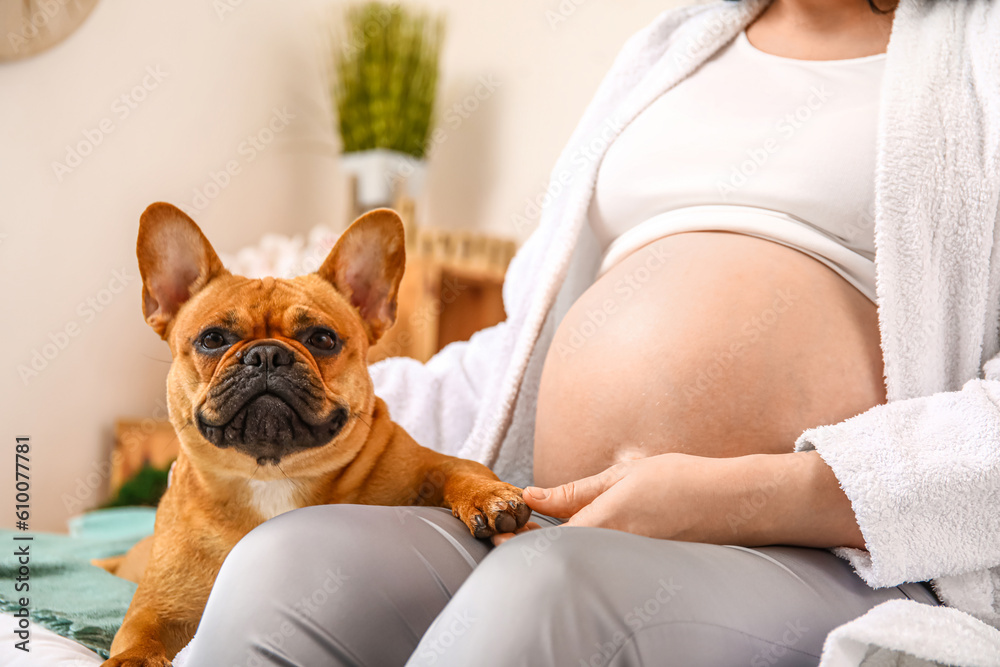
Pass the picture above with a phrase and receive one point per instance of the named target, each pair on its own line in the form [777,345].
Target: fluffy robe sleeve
[437,402]
[923,477]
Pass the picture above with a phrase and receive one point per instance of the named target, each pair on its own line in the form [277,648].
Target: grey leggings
[380,586]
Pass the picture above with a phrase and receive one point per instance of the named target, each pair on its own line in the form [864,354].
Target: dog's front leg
[473,494]
[143,639]
[394,470]
[166,607]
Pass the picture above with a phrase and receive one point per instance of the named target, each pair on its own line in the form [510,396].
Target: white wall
[67,264]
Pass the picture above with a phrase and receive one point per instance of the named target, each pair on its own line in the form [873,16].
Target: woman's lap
[334,584]
[360,585]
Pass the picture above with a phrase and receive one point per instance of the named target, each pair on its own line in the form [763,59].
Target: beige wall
[161,97]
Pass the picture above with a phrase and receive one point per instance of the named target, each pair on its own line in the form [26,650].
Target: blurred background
[229,109]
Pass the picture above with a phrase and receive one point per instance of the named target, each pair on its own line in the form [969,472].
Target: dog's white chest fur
[274,497]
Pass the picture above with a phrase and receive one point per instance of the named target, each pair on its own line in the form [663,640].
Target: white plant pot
[382,175]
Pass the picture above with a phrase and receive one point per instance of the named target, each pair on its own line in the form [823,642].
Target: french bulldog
[274,408]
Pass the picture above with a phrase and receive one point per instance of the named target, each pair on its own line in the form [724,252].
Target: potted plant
[385,72]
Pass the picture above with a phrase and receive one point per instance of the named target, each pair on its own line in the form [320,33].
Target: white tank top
[773,147]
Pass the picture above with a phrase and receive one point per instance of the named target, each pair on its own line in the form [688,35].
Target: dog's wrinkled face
[267,372]
[276,370]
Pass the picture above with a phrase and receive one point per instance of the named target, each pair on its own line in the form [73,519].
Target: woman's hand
[670,496]
[748,500]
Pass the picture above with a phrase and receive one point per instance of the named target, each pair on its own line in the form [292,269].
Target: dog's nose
[268,355]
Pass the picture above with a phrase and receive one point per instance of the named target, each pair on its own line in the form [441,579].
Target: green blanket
[67,594]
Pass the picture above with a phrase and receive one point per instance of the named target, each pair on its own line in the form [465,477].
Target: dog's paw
[136,658]
[492,507]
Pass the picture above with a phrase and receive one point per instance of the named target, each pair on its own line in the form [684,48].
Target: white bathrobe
[923,471]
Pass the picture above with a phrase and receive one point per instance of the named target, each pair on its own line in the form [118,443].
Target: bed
[75,608]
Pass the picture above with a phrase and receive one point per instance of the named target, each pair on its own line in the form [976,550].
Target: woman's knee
[297,537]
[563,575]
[331,543]
[610,598]
[319,543]
[308,584]
[541,566]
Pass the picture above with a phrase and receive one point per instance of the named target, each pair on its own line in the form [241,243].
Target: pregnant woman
[698,356]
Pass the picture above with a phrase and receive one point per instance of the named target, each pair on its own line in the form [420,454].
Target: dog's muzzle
[269,405]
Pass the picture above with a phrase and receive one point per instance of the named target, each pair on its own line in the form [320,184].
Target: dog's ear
[175,262]
[366,266]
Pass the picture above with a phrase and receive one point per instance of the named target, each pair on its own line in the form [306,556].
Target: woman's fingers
[564,501]
[500,538]
[605,512]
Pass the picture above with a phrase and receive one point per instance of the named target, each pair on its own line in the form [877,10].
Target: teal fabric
[113,524]
[67,594]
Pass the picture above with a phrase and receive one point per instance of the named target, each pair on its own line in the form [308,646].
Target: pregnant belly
[708,343]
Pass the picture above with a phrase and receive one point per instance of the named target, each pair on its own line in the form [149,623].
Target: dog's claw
[480,528]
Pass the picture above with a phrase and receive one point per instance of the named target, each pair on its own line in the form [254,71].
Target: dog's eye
[212,340]
[322,340]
